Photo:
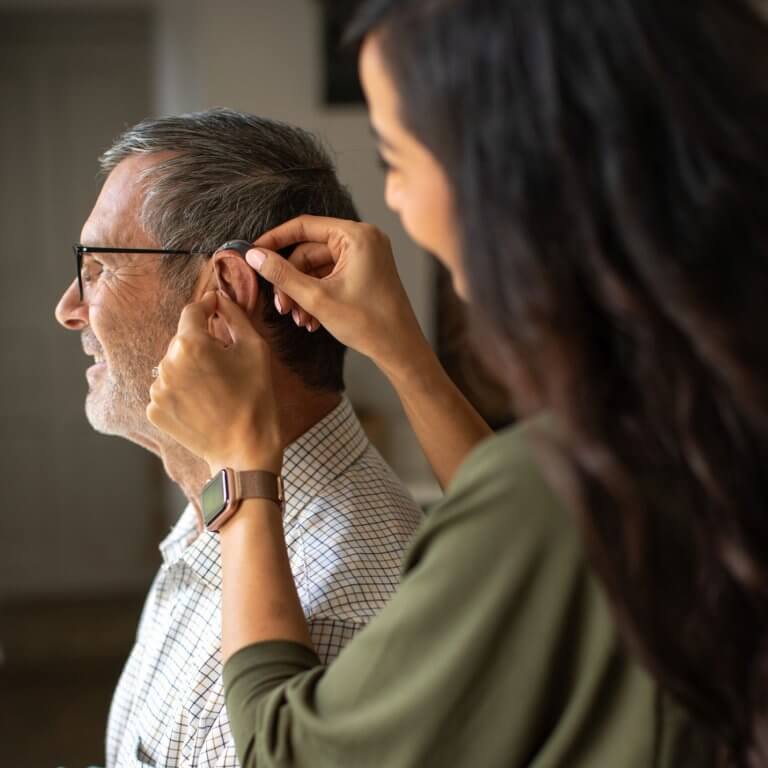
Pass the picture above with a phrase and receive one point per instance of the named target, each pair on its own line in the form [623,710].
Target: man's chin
[137,429]
[103,425]
[106,420]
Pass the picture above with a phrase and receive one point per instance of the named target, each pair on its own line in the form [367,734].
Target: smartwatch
[222,494]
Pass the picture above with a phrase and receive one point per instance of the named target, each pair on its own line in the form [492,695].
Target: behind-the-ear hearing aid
[241,246]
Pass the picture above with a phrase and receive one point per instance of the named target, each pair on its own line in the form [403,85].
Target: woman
[593,172]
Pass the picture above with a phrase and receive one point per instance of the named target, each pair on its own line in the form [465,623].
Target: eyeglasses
[79,250]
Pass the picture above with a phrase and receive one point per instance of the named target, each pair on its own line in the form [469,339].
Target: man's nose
[71,312]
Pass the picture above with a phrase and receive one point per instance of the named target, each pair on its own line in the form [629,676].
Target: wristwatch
[222,494]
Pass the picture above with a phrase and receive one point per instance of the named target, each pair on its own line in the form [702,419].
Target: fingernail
[255,258]
[295,316]
[278,305]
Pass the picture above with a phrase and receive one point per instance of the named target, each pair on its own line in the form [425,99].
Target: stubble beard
[116,403]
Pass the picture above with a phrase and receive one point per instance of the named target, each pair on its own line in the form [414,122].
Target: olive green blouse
[497,650]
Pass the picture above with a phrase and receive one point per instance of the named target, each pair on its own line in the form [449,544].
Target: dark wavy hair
[609,161]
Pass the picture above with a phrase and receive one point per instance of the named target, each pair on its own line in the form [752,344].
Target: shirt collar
[181,536]
[310,463]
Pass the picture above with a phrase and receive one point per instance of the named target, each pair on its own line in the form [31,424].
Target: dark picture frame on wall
[341,82]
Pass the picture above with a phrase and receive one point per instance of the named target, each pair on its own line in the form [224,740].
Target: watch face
[215,497]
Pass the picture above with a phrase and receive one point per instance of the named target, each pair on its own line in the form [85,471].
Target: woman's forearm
[445,423]
[259,600]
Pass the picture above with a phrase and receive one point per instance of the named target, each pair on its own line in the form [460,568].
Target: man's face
[128,313]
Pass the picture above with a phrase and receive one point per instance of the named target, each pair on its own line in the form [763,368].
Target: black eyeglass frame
[79,250]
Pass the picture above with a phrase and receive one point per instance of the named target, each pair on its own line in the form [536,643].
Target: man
[176,189]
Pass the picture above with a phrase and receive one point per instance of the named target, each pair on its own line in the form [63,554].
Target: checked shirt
[347,521]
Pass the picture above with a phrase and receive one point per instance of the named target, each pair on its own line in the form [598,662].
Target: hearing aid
[241,246]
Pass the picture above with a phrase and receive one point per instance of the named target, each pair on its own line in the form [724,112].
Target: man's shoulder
[348,540]
[366,492]
[366,510]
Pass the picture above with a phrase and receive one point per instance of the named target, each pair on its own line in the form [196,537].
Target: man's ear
[236,278]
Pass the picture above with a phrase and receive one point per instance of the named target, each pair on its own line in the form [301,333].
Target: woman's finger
[301,288]
[301,317]
[236,320]
[194,317]
[308,258]
[313,259]
[158,411]
[318,229]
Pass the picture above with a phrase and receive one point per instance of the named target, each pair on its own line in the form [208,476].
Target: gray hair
[229,175]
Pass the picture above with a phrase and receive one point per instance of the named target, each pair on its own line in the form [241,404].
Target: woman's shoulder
[503,475]
[500,493]
[511,449]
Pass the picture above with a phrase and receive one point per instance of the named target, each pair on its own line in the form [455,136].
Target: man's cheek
[99,321]
[108,331]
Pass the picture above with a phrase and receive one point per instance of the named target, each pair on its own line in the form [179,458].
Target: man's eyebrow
[108,257]
[92,242]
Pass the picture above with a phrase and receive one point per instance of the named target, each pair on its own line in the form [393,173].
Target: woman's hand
[217,400]
[342,274]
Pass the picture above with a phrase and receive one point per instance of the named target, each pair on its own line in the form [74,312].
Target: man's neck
[303,413]
[298,410]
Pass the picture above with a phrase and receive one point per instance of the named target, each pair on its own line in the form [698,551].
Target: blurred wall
[80,510]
